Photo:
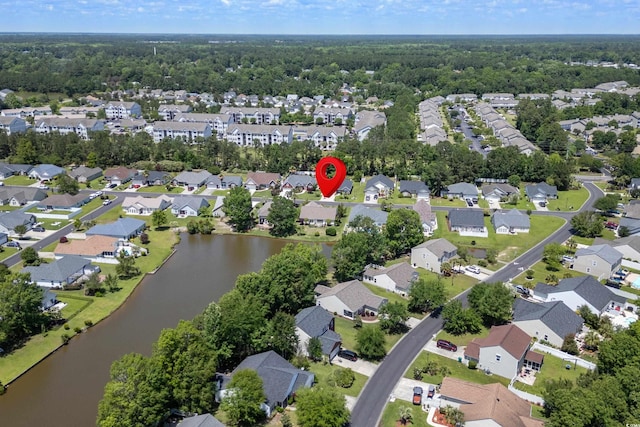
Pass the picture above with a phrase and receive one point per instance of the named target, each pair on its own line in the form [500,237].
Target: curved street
[375,394]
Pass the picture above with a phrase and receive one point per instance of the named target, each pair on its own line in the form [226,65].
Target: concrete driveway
[493,204]
[360,366]
[540,208]
[433,348]
[404,389]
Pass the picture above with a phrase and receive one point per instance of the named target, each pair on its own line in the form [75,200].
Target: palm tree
[446,269]
[551,279]
[406,415]
[572,244]
[592,340]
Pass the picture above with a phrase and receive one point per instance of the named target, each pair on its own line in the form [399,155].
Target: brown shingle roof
[263,178]
[511,338]
[313,210]
[489,402]
[91,246]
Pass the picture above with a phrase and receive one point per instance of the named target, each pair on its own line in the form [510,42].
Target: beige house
[317,215]
[599,261]
[396,278]
[349,299]
[431,254]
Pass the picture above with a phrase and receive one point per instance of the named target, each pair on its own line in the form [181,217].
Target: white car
[473,269]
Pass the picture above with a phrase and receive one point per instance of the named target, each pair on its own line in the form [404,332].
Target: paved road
[373,398]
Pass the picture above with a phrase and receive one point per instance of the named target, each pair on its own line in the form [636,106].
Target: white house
[578,291]
[431,254]
[549,321]
[349,299]
[139,205]
[396,278]
[511,222]
[599,261]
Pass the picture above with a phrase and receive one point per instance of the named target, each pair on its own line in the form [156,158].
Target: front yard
[391,414]
[570,200]
[541,273]
[323,371]
[348,333]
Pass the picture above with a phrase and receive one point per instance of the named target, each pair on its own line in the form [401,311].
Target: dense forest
[308,66]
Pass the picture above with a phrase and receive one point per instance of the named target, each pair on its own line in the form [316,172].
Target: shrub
[417,374]
[66,327]
[331,231]
[65,338]
[77,329]
[473,364]
[88,323]
[344,377]
[300,362]
[482,263]
[192,227]
[316,234]
[144,238]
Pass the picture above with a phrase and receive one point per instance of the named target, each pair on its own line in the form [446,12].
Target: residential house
[20,169]
[202,420]
[49,299]
[346,187]
[150,178]
[324,137]
[119,175]
[413,188]
[431,254]
[263,212]
[366,120]
[46,172]
[217,210]
[378,186]
[378,216]
[84,174]
[12,125]
[541,192]
[122,110]
[505,351]
[600,261]
[224,182]
[280,379]
[487,404]
[467,222]
[25,112]
[20,196]
[189,132]
[316,322]
[262,180]
[635,184]
[188,205]
[349,299]
[61,272]
[396,278]
[219,122]
[123,228]
[461,190]
[253,115]
[299,183]
[428,218]
[578,291]
[549,321]
[95,248]
[170,111]
[192,180]
[511,222]
[62,125]
[10,220]
[498,192]
[629,246]
[139,205]
[63,202]
[4,238]
[315,214]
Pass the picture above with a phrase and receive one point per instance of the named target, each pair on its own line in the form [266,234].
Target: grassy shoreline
[95,310]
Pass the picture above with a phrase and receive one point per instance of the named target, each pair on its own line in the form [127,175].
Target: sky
[428,17]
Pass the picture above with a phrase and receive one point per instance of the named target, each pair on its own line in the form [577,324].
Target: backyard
[553,368]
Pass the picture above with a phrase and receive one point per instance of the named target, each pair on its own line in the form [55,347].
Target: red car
[417,395]
[447,345]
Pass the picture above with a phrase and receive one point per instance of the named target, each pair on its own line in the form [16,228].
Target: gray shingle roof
[606,252]
[57,271]
[346,186]
[632,224]
[512,218]
[204,420]
[122,228]
[14,218]
[47,171]
[587,287]
[354,295]
[295,180]
[85,172]
[230,180]
[313,320]
[413,187]
[378,216]
[385,181]
[541,189]
[631,241]
[193,178]
[466,218]
[328,341]
[277,375]
[402,274]
[194,202]
[438,247]
[555,315]
[463,188]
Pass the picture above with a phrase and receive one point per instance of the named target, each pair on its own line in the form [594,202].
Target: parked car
[38,228]
[522,290]
[567,258]
[431,392]
[12,244]
[113,185]
[447,345]
[417,395]
[469,202]
[542,204]
[473,269]
[348,354]
[613,284]
[64,239]
[106,202]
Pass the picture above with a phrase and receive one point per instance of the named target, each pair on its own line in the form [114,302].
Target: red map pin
[328,186]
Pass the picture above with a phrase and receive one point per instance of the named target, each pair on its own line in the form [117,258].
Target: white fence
[631,264]
[527,396]
[564,356]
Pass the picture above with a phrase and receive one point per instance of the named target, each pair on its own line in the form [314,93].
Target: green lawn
[160,189]
[322,372]
[19,180]
[397,199]
[570,200]
[305,195]
[439,201]
[553,368]
[507,246]
[538,412]
[390,416]
[7,252]
[357,194]
[458,370]
[345,328]
[541,272]
[464,339]
[39,346]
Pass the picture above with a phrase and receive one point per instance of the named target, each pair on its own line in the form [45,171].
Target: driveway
[431,347]
[540,208]
[360,366]
[494,204]
[404,389]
